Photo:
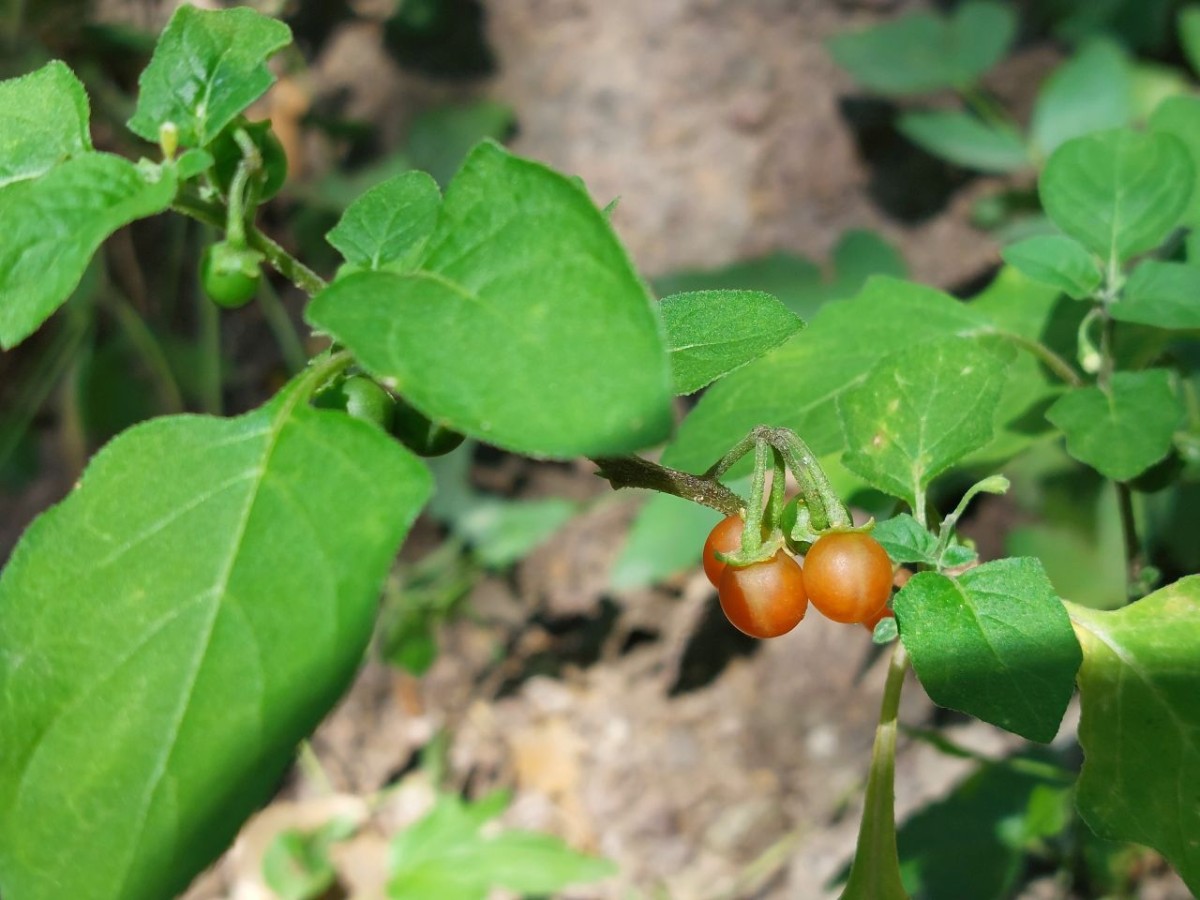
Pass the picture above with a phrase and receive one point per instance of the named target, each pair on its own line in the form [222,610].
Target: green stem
[1052,360]
[875,873]
[778,490]
[210,355]
[752,533]
[283,262]
[291,347]
[149,349]
[1134,556]
[48,370]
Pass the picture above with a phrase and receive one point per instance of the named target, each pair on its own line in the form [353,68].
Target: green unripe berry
[230,277]
[421,436]
[362,398]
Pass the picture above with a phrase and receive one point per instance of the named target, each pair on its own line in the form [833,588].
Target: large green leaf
[386,228]
[712,333]
[208,66]
[1123,429]
[922,52]
[797,385]
[525,327]
[1118,192]
[43,121]
[966,140]
[53,225]
[1140,728]
[921,410]
[1092,91]
[995,643]
[1163,294]
[174,628]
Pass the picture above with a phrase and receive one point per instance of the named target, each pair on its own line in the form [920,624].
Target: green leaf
[995,812]
[297,866]
[54,224]
[501,532]
[1022,311]
[921,410]
[1056,260]
[796,281]
[172,629]
[1124,430]
[712,333]
[527,298]
[1163,294]
[387,226]
[995,643]
[980,33]
[208,66]
[1189,34]
[43,122]
[662,541]
[1140,728]
[797,385]
[1180,117]
[921,52]
[532,863]
[907,542]
[440,138]
[1118,193]
[966,140]
[443,855]
[1093,91]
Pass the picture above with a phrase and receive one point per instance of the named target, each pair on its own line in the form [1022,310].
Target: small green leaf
[662,541]
[1056,260]
[1180,117]
[1163,294]
[504,531]
[797,385]
[1140,728]
[966,140]
[440,138]
[1189,34]
[979,35]
[995,643]
[1118,193]
[387,226]
[43,122]
[526,296]
[296,865]
[207,68]
[1093,91]
[712,333]
[922,52]
[1124,430]
[171,630]
[907,542]
[53,225]
[921,410]
[444,855]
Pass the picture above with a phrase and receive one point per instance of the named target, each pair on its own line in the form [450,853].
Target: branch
[635,472]
[287,265]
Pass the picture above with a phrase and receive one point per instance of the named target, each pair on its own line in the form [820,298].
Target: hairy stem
[635,472]
[283,262]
